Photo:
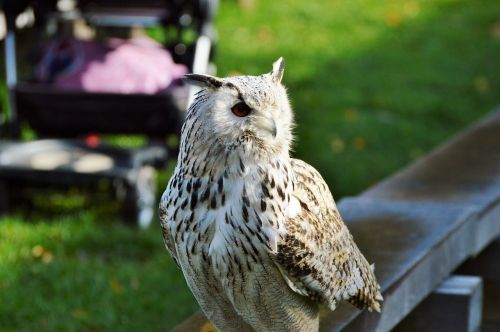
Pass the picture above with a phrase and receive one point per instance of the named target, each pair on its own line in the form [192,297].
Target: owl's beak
[267,123]
[274,131]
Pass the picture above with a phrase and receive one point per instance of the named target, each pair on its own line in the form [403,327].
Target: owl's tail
[368,296]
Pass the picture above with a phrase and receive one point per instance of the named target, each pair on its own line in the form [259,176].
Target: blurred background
[374,85]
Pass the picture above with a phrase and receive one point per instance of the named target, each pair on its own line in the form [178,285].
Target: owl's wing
[167,237]
[318,257]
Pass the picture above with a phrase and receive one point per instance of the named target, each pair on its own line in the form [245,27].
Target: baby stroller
[69,122]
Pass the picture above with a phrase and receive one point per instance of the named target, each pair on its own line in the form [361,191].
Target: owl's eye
[241,109]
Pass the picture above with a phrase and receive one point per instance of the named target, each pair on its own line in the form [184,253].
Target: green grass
[75,274]
[375,84]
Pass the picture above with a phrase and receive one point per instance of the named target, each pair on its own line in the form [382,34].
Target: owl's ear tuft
[203,80]
[278,70]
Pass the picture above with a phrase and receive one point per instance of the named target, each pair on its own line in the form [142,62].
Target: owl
[255,232]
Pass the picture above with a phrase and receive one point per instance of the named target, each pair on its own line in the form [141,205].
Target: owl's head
[249,114]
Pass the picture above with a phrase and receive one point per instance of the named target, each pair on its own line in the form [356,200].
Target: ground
[375,84]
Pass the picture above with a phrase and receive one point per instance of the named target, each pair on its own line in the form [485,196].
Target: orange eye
[241,109]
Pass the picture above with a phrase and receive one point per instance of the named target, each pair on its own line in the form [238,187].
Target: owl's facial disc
[247,113]
[257,120]
[254,122]
[252,112]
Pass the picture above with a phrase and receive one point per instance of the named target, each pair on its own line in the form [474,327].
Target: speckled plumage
[257,233]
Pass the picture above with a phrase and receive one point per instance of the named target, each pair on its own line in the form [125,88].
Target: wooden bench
[419,225]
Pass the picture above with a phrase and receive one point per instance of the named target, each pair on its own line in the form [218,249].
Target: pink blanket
[119,66]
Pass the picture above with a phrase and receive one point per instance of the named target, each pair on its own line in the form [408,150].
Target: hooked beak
[267,123]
